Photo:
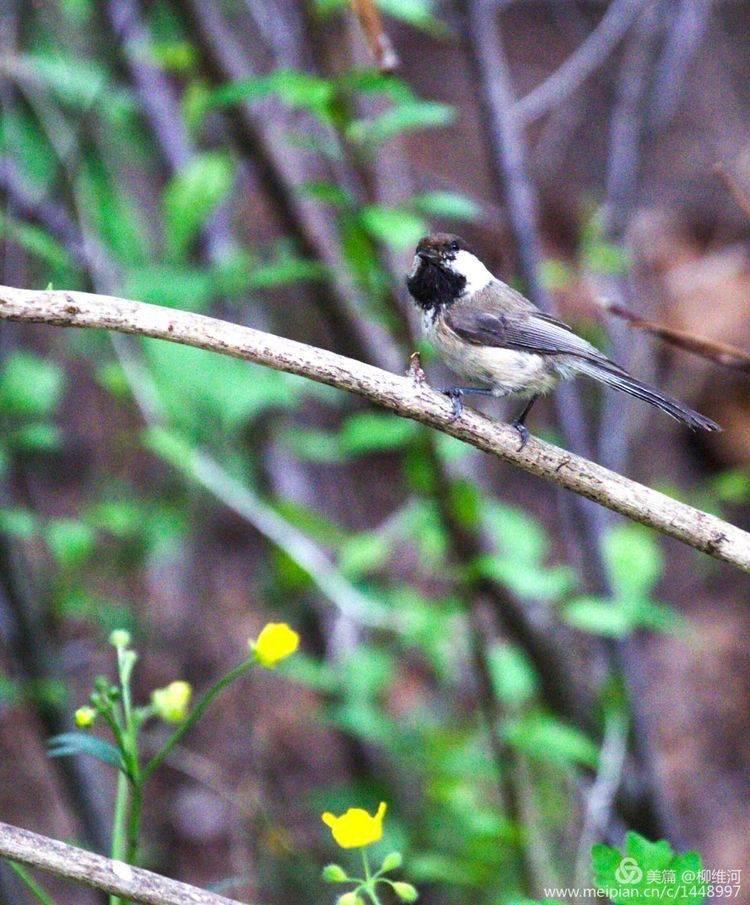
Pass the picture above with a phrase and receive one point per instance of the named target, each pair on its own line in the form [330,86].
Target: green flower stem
[134,822]
[195,715]
[127,820]
[118,828]
[370,880]
[31,883]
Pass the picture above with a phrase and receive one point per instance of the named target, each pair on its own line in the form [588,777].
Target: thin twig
[720,353]
[399,394]
[93,870]
[381,47]
[603,792]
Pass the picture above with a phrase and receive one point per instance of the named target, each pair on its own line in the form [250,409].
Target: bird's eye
[453,246]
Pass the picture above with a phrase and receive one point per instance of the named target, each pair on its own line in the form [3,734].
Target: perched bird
[491,335]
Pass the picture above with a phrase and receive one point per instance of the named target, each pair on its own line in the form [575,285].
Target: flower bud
[332,873]
[406,892]
[171,703]
[392,861]
[85,717]
[119,638]
[275,643]
[349,898]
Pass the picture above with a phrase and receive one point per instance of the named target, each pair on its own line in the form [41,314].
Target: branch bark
[114,877]
[401,395]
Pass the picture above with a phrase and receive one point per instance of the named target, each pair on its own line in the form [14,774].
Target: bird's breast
[506,371]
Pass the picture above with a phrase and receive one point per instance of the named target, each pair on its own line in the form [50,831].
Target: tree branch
[582,63]
[401,395]
[85,867]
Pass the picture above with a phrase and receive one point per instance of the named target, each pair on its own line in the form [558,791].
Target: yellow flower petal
[356,828]
[171,703]
[275,643]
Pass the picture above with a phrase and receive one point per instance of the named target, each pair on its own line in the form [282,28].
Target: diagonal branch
[582,63]
[722,353]
[401,395]
[114,877]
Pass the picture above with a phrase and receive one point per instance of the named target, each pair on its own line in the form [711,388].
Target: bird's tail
[614,376]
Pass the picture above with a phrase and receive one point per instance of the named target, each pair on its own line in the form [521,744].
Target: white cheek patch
[469,266]
[415,265]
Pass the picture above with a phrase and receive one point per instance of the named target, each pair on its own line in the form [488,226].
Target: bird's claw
[523,433]
[455,394]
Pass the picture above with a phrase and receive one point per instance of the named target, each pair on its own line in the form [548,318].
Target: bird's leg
[456,393]
[519,422]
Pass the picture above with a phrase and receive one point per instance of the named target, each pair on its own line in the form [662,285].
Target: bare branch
[386,58]
[584,61]
[687,32]
[399,394]
[721,353]
[85,867]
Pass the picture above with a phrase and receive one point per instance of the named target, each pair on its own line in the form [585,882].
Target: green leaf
[408,117]
[192,195]
[600,617]
[190,288]
[114,216]
[647,872]
[548,739]
[314,445]
[635,560]
[396,227]
[369,432]
[285,271]
[71,542]
[447,204]
[29,385]
[515,533]
[82,84]
[417,13]
[38,437]
[18,522]
[298,90]
[73,743]
[525,578]
[38,242]
[174,55]
[598,254]
[657,617]
[327,192]
[732,486]
[203,392]
[363,553]
[513,676]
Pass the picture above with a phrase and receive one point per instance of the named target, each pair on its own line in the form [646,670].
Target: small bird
[491,335]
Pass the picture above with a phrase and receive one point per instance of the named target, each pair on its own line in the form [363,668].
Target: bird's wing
[528,329]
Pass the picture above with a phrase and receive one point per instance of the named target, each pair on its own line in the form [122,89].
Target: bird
[494,337]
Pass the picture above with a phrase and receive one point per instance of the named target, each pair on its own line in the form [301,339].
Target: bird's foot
[455,394]
[523,432]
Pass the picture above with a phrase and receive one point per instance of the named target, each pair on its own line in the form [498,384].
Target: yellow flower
[85,717]
[275,643]
[356,828]
[171,703]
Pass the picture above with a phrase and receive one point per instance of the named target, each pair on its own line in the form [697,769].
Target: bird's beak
[432,257]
